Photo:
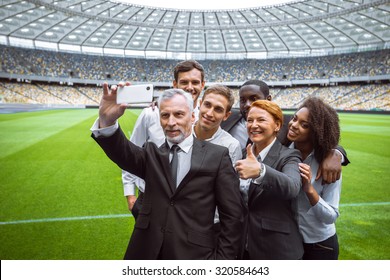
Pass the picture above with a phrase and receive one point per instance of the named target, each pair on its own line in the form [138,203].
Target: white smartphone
[135,94]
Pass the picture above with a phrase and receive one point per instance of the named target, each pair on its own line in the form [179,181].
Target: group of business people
[199,209]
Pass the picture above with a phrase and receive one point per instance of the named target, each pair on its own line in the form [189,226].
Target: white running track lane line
[47,220]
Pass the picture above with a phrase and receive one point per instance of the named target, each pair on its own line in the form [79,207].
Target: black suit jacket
[177,223]
[236,116]
[272,225]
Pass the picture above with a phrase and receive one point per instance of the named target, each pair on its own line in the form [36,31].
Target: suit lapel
[273,154]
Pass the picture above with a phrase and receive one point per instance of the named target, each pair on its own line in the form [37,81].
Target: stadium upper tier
[299,28]
[39,65]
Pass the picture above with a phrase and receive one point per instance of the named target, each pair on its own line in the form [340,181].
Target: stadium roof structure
[299,28]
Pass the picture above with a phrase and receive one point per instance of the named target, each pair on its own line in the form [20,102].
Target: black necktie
[174,162]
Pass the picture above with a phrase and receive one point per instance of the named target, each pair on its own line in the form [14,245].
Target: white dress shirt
[317,223]
[223,138]
[184,157]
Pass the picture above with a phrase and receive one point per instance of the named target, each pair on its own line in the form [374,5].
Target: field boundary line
[364,204]
[48,220]
[66,219]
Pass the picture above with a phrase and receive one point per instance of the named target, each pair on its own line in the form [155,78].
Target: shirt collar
[292,146]
[185,145]
[215,135]
[265,151]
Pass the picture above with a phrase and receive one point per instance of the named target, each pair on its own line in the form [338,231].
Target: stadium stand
[60,52]
[45,77]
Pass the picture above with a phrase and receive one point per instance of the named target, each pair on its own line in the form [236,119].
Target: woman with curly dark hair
[314,130]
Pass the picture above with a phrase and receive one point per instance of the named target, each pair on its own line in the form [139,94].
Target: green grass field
[62,198]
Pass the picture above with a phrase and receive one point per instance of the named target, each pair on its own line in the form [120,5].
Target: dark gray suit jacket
[177,223]
[271,222]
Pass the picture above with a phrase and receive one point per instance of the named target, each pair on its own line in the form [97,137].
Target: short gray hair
[169,93]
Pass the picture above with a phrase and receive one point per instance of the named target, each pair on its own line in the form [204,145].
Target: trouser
[324,250]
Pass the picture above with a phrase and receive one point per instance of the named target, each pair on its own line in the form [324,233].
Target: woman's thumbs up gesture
[249,167]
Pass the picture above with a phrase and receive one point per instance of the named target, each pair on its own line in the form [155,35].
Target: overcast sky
[206,4]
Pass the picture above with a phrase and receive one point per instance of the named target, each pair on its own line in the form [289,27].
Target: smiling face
[212,111]
[176,118]
[249,94]
[261,127]
[299,127]
[191,82]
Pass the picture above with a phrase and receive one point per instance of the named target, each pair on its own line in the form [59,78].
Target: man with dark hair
[249,92]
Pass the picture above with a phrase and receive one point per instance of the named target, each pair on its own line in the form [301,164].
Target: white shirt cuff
[262,174]
[129,189]
[342,156]
[103,132]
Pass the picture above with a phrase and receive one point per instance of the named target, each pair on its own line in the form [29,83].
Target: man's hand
[130,201]
[153,105]
[330,168]
[109,111]
[249,167]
